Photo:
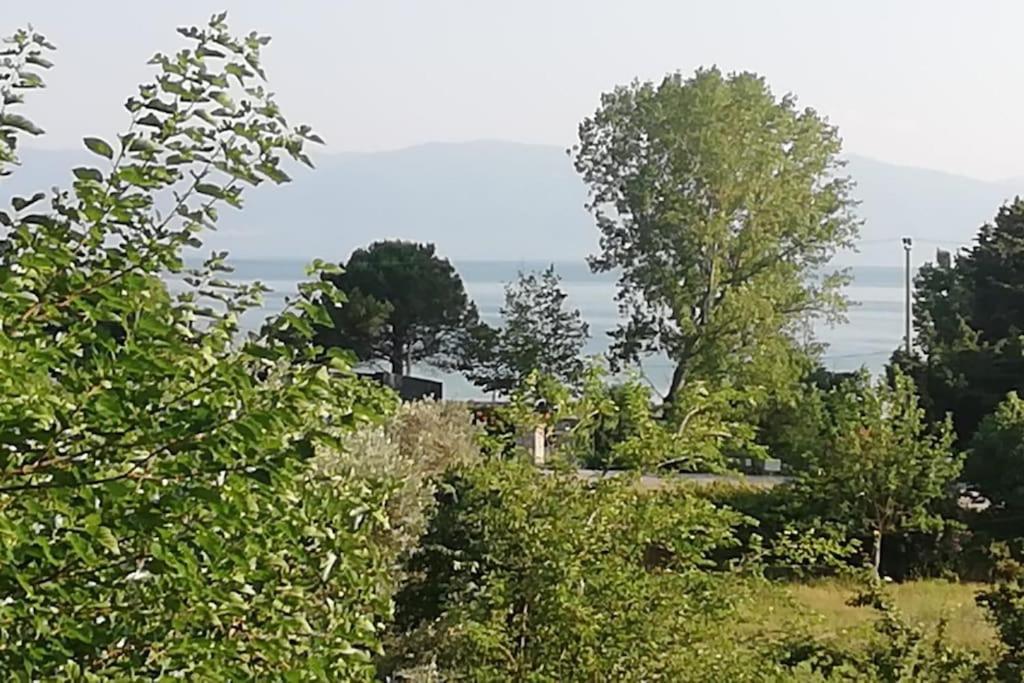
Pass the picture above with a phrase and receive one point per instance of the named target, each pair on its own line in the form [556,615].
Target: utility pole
[908,244]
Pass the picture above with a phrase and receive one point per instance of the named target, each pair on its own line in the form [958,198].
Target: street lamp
[908,244]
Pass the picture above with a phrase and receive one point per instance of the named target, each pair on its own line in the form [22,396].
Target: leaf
[38,60]
[150,120]
[20,203]
[107,539]
[21,123]
[83,173]
[210,190]
[98,146]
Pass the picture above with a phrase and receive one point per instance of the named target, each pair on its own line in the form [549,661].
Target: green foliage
[406,305]
[620,427]
[22,56]
[969,318]
[718,205]
[158,514]
[1005,605]
[520,572]
[995,463]
[539,334]
[785,542]
[794,423]
[409,454]
[881,468]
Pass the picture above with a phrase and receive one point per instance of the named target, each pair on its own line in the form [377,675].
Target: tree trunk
[878,554]
[677,381]
[397,357]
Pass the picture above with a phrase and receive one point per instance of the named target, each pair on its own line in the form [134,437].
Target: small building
[408,388]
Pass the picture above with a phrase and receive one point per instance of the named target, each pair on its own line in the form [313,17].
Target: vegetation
[405,305]
[179,499]
[519,572]
[968,317]
[158,517]
[880,470]
[539,333]
[717,204]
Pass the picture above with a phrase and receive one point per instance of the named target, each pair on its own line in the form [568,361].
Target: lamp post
[908,244]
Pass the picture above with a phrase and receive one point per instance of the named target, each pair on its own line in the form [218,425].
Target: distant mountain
[510,201]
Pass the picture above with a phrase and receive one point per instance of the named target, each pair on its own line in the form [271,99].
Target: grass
[820,608]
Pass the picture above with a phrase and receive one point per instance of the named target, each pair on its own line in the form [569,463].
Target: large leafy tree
[406,305]
[719,205]
[540,332]
[158,515]
[969,319]
[882,466]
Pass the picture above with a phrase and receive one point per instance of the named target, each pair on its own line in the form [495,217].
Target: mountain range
[519,202]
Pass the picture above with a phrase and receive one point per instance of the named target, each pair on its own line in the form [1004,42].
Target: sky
[935,84]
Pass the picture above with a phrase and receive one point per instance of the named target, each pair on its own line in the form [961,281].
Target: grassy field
[820,608]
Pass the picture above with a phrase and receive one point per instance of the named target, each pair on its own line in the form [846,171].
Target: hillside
[510,201]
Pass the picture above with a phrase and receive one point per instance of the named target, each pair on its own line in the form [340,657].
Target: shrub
[527,574]
[158,515]
[408,454]
[1005,606]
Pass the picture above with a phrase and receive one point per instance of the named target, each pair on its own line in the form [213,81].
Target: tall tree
[718,204]
[406,305]
[881,466]
[969,318]
[539,332]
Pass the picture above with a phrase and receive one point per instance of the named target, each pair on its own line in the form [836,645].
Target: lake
[874,328]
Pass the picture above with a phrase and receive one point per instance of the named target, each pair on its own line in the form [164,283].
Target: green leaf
[19,122]
[98,146]
[107,539]
[150,120]
[83,173]
[210,190]
[20,203]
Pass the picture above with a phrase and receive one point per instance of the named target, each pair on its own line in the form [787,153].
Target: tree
[995,462]
[718,205]
[880,468]
[969,319]
[159,517]
[540,333]
[406,305]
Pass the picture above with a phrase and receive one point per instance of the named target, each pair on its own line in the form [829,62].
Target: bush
[158,515]
[408,454]
[523,573]
[1005,606]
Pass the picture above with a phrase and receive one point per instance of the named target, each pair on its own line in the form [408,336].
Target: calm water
[874,329]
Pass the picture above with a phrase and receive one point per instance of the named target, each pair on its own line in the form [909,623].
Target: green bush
[408,455]
[158,514]
[1005,606]
[524,575]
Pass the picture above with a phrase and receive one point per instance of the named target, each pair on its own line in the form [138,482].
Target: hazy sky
[937,83]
